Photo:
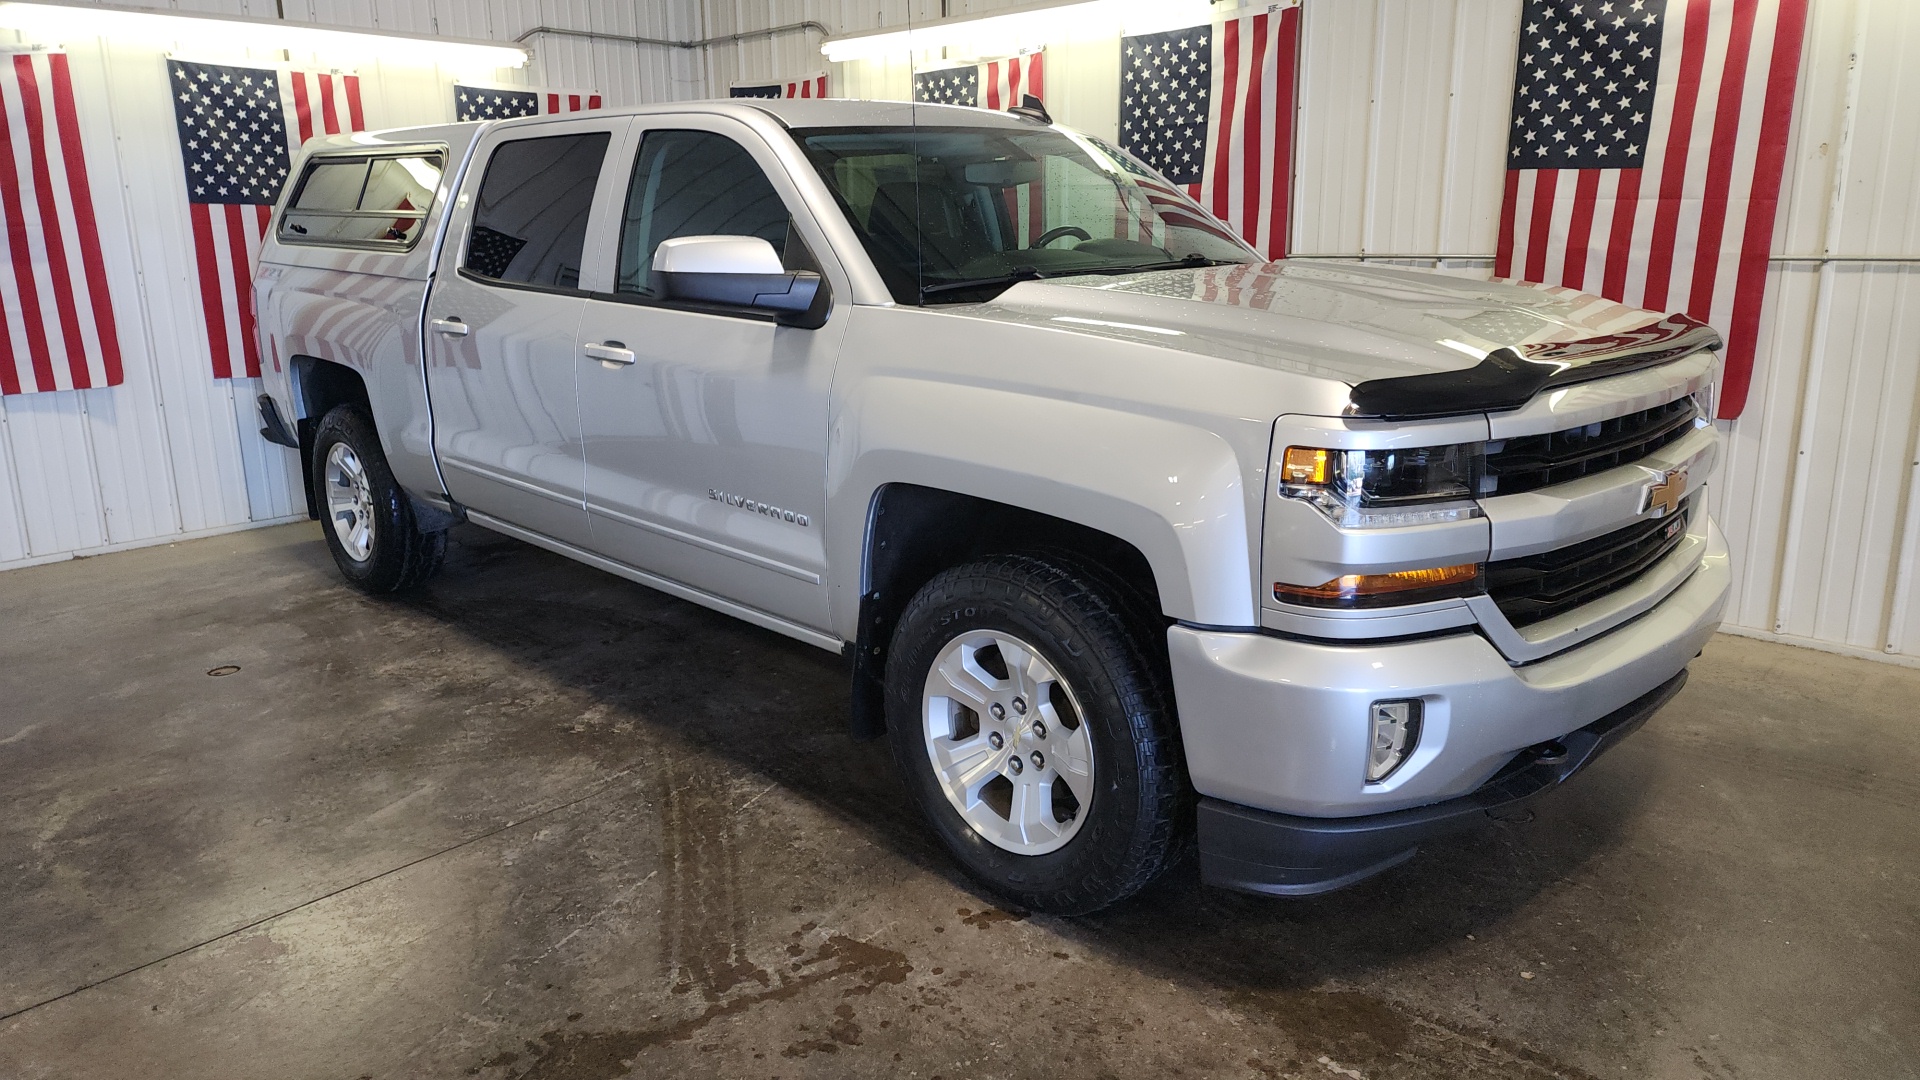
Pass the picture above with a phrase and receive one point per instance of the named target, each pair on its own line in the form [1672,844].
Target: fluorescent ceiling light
[183,30]
[1010,32]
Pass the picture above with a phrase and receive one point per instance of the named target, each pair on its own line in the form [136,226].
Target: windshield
[958,215]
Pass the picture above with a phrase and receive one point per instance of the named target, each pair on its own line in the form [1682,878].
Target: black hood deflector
[1509,378]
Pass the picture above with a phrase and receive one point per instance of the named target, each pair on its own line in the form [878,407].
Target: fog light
[1395,730]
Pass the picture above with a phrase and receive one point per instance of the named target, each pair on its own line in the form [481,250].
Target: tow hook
[1548,753]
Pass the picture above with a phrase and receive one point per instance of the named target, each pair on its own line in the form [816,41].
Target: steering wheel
[1051,235]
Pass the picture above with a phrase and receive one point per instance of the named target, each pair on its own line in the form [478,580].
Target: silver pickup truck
[1128,536]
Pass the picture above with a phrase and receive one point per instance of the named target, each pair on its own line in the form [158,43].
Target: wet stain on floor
[537,823]
[852,967]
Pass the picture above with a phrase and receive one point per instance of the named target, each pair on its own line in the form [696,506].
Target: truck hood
[1349,322]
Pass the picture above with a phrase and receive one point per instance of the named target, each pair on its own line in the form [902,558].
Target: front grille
[1536,587]
[1527,462]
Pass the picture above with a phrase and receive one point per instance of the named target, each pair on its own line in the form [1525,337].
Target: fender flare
[1175,492]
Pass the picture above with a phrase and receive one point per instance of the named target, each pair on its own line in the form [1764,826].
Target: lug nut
[994,740]
[1016,765]
[1039,729]
[1020,705]
[1039,760]
[998,710]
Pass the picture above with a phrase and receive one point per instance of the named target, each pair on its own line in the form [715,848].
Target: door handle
[610,352]
[450,327]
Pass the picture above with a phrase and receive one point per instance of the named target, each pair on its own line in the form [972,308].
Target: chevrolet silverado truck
[1131,538]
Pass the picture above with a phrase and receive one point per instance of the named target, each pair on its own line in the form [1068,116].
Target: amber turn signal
[1369,590]
[1304,465]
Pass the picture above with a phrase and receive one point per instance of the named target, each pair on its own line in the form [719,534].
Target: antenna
[1031,108]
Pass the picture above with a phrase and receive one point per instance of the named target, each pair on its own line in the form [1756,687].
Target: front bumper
[1284,855]
[1280,725]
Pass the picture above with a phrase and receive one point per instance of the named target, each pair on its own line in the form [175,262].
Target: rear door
[706,439]
[502,318]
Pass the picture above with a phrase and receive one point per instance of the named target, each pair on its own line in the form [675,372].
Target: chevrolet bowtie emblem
[1666,491]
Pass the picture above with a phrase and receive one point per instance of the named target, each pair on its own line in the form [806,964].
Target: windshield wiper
[1025,273]
[1190,262]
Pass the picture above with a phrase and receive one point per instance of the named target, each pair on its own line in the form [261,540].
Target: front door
[501,330]
[706,431]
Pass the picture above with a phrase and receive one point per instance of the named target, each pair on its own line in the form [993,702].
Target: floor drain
[224,670]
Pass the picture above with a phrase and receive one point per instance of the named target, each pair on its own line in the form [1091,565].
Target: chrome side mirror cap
[738,272]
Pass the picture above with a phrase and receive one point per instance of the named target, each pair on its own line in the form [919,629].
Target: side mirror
[737,271]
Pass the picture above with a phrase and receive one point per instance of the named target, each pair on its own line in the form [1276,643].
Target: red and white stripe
[813,86]
[806,86]
[556,102]
[227,238]
[58,329]
[1692,228]
[1249,175]
[1003,85]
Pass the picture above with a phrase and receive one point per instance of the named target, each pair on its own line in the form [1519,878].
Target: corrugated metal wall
[172,452]
[1400,154]
[1404,107]
[1403,115]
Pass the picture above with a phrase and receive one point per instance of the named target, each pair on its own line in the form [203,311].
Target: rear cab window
[377,201]
[530,216]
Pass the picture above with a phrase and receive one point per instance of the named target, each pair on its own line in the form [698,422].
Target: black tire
[402,555]
[1139,817]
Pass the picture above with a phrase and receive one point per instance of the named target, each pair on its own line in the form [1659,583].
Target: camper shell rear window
[377,201]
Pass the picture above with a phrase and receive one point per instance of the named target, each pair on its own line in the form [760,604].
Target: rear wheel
[369,523]
[1035,732]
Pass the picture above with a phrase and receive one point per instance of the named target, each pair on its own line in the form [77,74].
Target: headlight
[1378,489]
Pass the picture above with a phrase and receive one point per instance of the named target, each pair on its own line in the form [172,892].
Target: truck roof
[829,112]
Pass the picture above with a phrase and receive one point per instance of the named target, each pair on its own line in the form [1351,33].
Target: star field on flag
[1584,95]
[1166,88]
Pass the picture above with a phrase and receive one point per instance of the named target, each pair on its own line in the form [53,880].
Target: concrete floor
[539,822]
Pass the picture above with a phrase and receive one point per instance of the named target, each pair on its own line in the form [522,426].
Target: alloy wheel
[1008,743]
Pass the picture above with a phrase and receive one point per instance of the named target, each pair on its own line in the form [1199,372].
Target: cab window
[694,183]
[530,216]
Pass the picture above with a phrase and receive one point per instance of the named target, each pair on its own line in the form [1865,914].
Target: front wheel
[368,519]
[1034,730]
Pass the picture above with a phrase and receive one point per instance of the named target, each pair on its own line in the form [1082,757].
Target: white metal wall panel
[1401,139]
[171,451]
[13,525]
[1402,131]
[1402,128]
[1337,62]
[1828,469]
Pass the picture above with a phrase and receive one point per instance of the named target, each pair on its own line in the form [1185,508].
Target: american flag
[506,102]
[1000,84]
[239,128]
[1644,163]
[996,85]
[1158,205]
[57,328]
[813,86]
[1211,108]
